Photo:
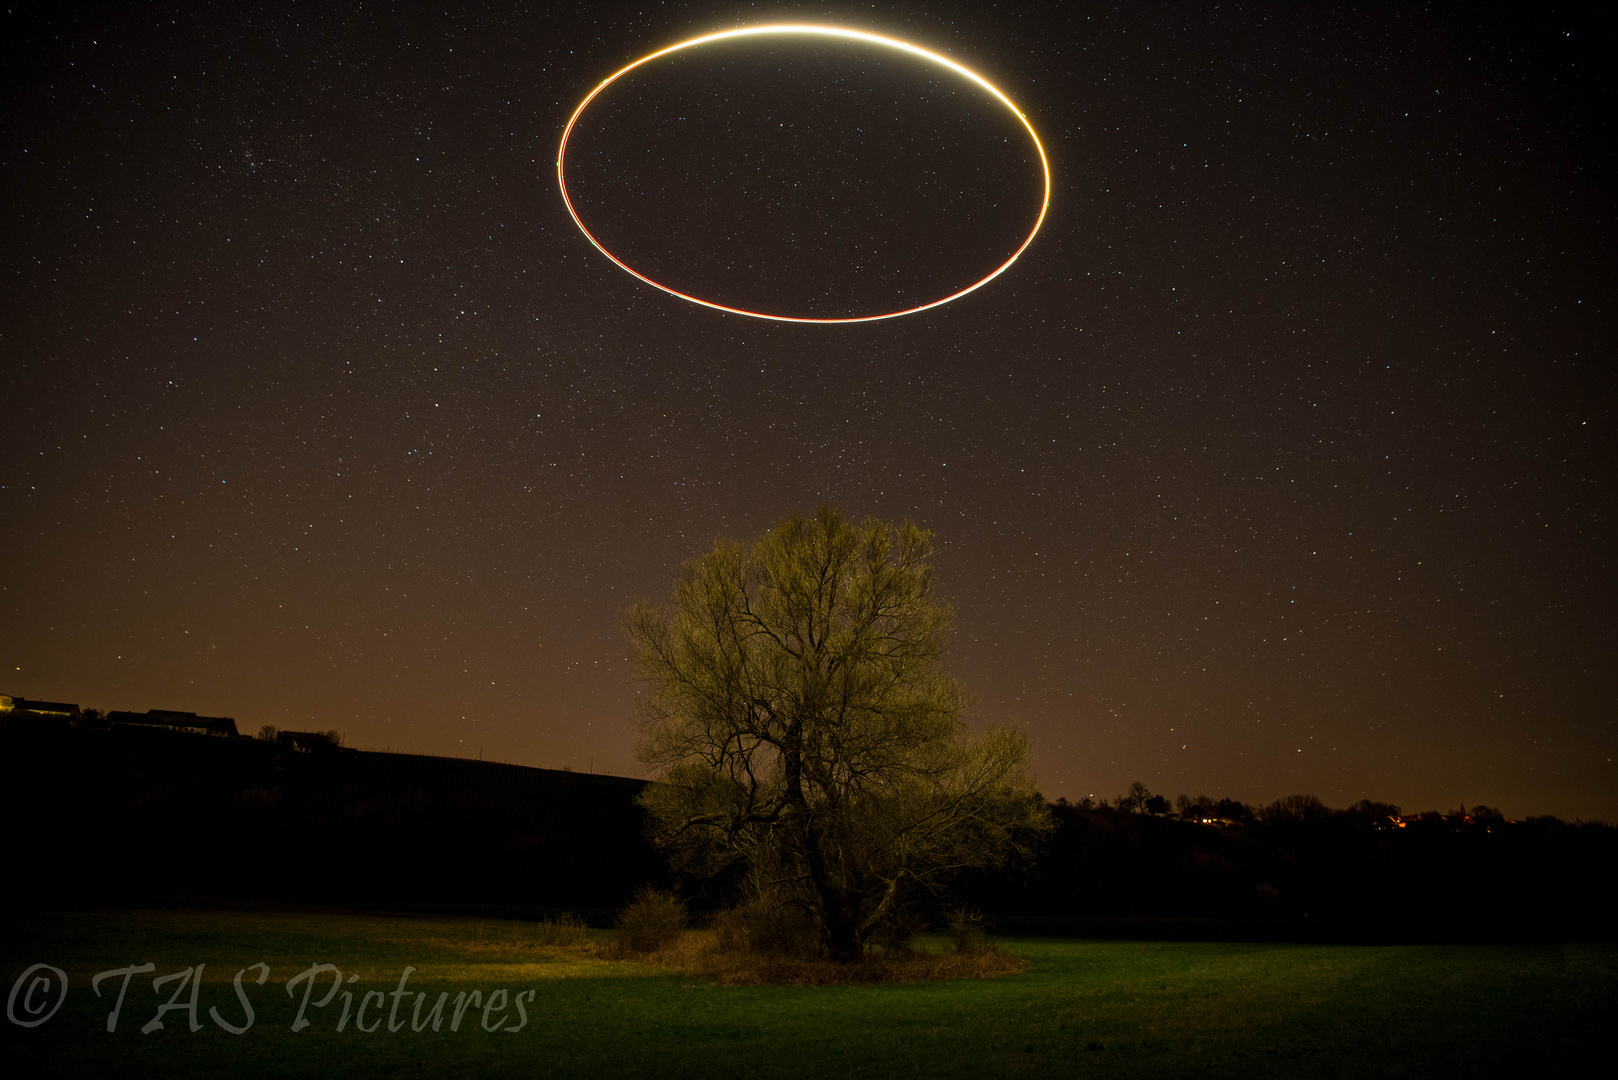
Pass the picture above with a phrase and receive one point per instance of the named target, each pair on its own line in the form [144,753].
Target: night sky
[1280,462]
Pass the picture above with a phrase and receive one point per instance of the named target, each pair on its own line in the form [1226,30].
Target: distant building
[305,742]
[169,720]
[38,708]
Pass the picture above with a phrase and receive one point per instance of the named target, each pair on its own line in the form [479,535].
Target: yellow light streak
[821,31]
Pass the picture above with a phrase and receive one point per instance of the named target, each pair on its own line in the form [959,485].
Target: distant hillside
[139,812]
[131,812]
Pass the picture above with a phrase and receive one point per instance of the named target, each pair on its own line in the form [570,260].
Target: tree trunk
[841,929]
[842,933]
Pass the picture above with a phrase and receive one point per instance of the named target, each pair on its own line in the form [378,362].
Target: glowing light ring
[822,31]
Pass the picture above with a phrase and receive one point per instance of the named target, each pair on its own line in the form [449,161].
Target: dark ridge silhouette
[101,814]
[105,815]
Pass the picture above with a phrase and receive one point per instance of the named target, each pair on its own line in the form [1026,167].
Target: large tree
[804,733]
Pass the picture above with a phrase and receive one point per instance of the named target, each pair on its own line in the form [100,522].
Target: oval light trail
[820,31]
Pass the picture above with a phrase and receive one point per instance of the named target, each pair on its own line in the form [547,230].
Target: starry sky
[1280,462]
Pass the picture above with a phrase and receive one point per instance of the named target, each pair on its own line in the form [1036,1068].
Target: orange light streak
[823,31]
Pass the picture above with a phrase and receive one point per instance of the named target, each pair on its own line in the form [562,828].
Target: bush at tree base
[655,918]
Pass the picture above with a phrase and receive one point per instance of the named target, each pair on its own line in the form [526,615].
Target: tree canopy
[805,734]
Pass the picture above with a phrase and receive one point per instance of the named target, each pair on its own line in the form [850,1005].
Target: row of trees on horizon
[1294,809]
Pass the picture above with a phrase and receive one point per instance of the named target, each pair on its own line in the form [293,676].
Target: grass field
[1102,1009]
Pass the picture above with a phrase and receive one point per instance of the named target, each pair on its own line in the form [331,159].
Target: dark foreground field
[1104,1009]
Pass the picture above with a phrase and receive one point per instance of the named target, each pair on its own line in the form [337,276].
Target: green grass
[1102,1009]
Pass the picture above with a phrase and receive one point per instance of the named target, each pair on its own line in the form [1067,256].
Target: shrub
[565,929]
[655,918]
[782,929]
[764,928]
[897,932]
[969,930]
[730,931]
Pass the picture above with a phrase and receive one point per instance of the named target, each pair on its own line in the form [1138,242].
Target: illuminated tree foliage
[804,732]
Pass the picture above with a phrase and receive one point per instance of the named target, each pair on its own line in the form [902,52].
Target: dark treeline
[1210,810]
[1304,869]
[101,814]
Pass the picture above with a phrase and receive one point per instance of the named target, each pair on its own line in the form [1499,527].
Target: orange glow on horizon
[824,31]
